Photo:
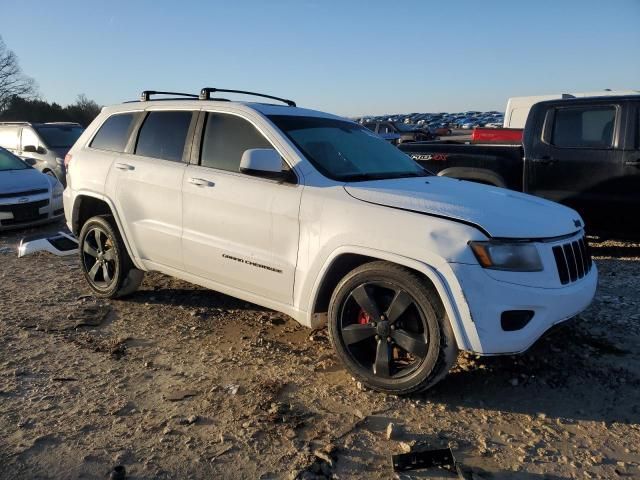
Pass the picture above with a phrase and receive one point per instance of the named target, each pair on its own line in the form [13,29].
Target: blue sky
[346,57]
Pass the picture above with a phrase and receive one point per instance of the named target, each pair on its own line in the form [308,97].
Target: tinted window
[60,136]
[9,137]
[163,135]
[584,127]
[226,137]
[114,133]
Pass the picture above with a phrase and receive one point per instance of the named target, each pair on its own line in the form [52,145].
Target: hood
[495,211]
[22,180]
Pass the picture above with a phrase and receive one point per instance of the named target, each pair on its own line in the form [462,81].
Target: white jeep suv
[315,216]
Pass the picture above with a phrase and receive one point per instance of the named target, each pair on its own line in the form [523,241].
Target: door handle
[124,166]
[544,160]
[632,163]
[200,182]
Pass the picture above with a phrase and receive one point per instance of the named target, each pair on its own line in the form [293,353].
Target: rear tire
[409,346]
[104,260]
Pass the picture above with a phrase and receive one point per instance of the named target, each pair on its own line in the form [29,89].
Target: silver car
[41,145]
[27,196]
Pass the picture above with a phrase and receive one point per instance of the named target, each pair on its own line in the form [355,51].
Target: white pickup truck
[317,217]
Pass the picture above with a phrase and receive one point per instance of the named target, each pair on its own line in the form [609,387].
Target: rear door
[239,230]
[147,179]
[578,157]
[29,138]
[629,184]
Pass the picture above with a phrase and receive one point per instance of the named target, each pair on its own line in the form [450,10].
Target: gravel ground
[182,382]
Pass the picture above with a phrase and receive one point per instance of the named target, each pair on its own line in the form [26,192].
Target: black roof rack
[145,96]
[205,94]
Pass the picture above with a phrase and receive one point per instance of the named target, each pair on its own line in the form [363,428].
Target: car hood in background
[22,180]
[499,212]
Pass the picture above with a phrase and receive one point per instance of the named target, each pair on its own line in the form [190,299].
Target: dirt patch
[182,382]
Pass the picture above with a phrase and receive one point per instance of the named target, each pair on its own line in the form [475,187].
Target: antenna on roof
[205,94]
[145,96]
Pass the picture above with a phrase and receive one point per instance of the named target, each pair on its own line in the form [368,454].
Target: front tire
[390,330]
[104,260]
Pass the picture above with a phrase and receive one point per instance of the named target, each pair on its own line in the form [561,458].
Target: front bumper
[22,212]
[487,298]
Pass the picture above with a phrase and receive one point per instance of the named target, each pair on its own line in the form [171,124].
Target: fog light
[512,320]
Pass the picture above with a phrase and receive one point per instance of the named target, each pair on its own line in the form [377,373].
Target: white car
[27,197]
[315,216]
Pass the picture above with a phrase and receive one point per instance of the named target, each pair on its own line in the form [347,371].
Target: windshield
[9,161]
[60,136]
[346,151]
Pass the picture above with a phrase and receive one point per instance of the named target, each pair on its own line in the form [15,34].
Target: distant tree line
[18,108]
[19,100]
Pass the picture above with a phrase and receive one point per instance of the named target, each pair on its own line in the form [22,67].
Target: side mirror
[29,149]
[262,162]
[30,161]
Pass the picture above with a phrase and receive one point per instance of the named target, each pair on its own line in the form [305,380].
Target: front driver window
[225,139]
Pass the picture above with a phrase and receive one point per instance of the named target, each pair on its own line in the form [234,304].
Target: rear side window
[60,136]
[226,137]
[114,133]
[163,135]
[584,127]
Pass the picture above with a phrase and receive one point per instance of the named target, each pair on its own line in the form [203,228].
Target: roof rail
[145,96]
[15,123]
[205,94]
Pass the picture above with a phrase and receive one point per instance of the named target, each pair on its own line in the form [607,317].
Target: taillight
[67,160]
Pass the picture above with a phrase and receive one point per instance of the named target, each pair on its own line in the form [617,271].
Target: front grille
[24,212]
[572,260]
[25,193]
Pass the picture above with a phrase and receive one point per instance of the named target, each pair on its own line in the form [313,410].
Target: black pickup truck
[582,152]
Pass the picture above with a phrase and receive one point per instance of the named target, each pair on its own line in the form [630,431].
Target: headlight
[517,257]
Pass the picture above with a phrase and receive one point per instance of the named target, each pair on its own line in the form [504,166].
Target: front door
[239,230]
[33,154]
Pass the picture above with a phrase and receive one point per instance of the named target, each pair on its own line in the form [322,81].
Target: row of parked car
[440,124]
[32,171]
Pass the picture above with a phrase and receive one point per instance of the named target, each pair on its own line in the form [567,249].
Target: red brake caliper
[363,317]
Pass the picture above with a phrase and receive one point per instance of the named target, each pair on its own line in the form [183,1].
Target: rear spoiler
[497,135]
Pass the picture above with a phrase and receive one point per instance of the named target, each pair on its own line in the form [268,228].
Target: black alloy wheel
[99,258]
[389,328]
[384,330]
[105,262]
